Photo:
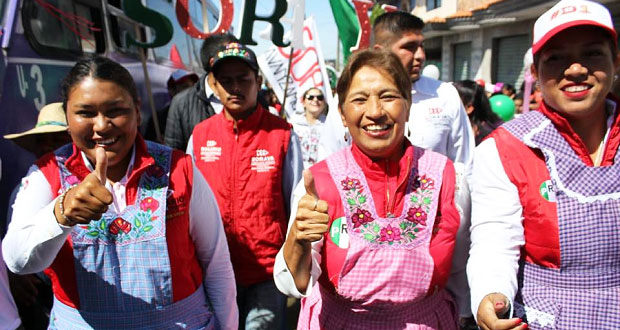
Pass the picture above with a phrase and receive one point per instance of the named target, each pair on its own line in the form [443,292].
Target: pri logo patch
[547,191]
[263,162]
[339,233]
[211,152]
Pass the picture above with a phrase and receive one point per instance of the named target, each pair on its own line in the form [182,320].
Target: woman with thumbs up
[370,246]
[127,230]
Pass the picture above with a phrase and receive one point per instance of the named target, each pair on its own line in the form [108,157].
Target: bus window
[61,28]
[179,38]
[120,26]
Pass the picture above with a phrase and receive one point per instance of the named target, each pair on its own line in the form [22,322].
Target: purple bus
[41,39]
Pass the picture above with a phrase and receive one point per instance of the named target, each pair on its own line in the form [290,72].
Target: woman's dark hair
[508,87]
[99,68]
[483,119]
[381,60]
[474,94]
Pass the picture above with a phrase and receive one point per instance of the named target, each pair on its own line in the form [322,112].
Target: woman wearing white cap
[545,241]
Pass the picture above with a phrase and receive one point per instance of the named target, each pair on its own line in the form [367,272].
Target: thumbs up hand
[89,199]
[101,165]
[312,219]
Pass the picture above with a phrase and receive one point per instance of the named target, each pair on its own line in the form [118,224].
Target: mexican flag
[348,27]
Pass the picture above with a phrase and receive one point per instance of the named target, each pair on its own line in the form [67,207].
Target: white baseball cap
[569,13]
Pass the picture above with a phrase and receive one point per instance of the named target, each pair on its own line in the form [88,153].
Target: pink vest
[384,279]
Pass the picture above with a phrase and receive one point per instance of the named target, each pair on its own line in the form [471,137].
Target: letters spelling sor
[164,30]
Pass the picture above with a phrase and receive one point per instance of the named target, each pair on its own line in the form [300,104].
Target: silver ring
[316,203]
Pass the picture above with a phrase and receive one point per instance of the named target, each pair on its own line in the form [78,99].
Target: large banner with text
[307,70]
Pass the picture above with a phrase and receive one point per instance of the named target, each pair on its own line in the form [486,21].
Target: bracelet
[61,206]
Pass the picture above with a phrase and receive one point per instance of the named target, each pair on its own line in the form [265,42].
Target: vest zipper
[234,178]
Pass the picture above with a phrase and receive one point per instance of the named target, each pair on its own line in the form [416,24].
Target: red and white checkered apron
[384,282]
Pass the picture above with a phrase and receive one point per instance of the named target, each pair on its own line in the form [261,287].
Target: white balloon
[431,71]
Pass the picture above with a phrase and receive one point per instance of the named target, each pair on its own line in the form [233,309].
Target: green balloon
[503,106]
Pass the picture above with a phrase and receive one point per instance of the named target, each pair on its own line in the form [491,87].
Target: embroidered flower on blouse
[149,203]
[361,217]
[119,225]
[348,184]
[426,182]
[417,214]
[390,234]
[155,171]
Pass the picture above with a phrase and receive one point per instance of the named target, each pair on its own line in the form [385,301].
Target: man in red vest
[252,161]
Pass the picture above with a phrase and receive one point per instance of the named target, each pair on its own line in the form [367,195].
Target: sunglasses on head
[312,97]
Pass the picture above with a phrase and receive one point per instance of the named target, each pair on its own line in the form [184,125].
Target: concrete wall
[448,7]
[481,46]
[468,4]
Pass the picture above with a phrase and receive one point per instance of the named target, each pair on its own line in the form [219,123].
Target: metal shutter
[510,52]
[462,61]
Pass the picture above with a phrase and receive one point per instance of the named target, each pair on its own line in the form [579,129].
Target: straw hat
[51,120]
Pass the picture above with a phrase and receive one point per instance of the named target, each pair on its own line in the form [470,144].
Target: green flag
[348,27]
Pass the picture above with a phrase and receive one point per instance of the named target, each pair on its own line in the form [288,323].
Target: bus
[42,39]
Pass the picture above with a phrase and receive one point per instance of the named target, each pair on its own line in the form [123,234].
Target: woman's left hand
[311,223]
[493,305]
[312,219]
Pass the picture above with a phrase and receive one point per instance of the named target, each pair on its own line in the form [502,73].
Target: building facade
[483,39]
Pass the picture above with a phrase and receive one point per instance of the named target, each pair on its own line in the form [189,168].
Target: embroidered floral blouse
[384,179]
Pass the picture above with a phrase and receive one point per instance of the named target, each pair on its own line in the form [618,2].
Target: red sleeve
[446,226]
[47,164]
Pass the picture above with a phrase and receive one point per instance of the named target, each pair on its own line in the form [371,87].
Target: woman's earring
[346,134]
[407,130]
[616,77]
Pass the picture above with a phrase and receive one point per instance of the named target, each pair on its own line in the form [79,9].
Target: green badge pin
[339,233]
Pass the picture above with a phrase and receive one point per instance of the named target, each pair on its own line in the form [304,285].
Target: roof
[486,13]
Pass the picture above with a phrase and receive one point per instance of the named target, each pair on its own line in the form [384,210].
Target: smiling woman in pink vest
[128,230]
[370,246]
[545,250]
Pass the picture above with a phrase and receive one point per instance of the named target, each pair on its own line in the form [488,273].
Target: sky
[320,9]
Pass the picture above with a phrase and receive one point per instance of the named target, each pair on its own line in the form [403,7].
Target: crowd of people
[406,204]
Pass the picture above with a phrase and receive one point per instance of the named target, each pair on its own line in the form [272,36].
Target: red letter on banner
[223,23]
[363,38]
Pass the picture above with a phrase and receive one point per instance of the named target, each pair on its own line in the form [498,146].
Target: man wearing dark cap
[252,161]
[197,103]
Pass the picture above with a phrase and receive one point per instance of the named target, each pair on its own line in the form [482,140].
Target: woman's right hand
[88,200]
[311,219]
[493,305]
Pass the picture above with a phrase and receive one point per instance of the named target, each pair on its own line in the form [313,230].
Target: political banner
[307,70]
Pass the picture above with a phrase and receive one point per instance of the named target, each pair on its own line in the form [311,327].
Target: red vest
[526,169]
[446,222]
[186,271]
[244,166]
